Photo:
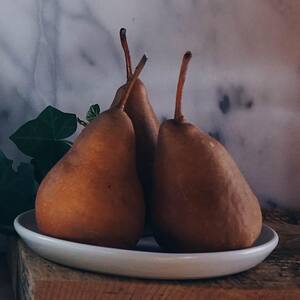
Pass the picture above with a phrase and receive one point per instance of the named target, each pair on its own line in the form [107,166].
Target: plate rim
[273,242]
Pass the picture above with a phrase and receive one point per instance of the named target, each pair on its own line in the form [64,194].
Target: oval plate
[146,261]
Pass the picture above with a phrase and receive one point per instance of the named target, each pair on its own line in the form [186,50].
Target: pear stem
[131,82]
[125,47]
[183,69]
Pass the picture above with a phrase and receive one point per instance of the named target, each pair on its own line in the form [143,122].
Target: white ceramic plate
[146,261]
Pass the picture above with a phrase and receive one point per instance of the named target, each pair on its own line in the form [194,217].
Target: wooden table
[276,278]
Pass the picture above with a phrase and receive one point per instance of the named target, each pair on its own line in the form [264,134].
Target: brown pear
[201,200]
[144,120]
[93,194]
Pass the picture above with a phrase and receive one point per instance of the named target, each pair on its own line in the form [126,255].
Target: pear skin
[93,194]
[201,200]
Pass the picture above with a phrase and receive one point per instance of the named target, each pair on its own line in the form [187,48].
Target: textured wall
[243,82]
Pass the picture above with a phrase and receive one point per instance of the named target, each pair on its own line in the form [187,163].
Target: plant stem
[131,82]
[81,122]
[125,47]
[183,69]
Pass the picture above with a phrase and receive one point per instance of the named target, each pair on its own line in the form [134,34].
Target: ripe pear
[144,120]
[201,200]
[93,194]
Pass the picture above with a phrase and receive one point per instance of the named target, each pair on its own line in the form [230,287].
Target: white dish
[146,261]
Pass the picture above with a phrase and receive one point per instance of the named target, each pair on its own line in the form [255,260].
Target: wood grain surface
[276,278]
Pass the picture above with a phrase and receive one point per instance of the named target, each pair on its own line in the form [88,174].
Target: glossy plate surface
[146,261]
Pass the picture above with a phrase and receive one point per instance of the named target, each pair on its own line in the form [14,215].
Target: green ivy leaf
[17,189]
[48,159]
[45,132]
[5,167]
[93,112]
